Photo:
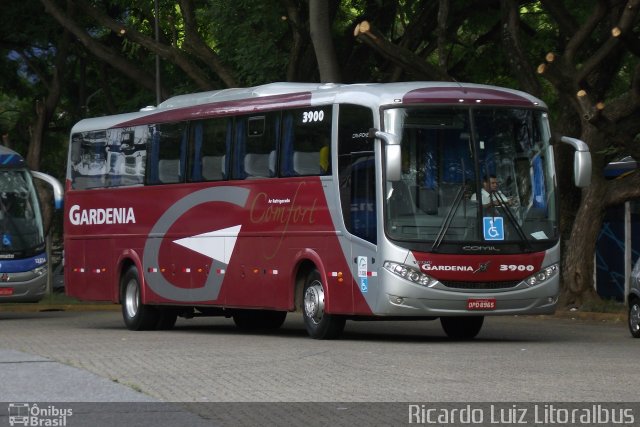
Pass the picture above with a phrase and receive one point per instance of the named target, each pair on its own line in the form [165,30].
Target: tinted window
[255,146]
[168,154]
[306,142]
[356,167]
[210,143]
[89,159]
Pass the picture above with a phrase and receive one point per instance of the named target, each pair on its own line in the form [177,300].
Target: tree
[320,29]
[593,69]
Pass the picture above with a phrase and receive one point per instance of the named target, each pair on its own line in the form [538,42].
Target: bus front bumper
[402,298]
[23,291]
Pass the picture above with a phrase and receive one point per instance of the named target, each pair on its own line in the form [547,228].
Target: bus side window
[306,143]
[256,145]
[168,154]
[89,159]
[209,145]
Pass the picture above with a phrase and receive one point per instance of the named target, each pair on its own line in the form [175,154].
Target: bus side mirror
[392,154]
[55,184]
[581,161]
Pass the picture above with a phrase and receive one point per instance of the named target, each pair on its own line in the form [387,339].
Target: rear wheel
[137,316]
[166,318]
[319,324]
[259,319]
[462,327]
[634,317]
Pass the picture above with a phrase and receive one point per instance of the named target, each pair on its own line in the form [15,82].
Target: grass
[604,306]
[58,298]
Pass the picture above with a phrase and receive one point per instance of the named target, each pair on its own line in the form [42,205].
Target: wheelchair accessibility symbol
[493,228]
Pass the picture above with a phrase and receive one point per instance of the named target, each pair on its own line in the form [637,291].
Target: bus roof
[294,95]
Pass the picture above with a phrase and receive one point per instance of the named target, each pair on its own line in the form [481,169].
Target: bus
[340,202]
[23,256]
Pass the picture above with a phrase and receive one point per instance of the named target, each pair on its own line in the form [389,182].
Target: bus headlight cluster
[406,272]
[542,275]
[39,271]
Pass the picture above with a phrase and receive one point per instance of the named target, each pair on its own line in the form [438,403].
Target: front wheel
[319,324]
[137,316]
[634,317]
[462,327]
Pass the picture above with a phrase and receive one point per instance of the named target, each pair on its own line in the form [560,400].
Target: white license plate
[481,304]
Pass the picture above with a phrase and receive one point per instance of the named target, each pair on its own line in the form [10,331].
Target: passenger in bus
[491,196]
[324,155]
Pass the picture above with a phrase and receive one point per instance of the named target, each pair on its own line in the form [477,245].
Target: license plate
[481,304]
[6,291]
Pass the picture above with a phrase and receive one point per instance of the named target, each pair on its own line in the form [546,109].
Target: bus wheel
[634,317]
[463,327]
[259,319]
[166,318]
[137,316]
[319,324]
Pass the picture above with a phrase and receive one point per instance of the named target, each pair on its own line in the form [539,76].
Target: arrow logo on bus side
[217,244]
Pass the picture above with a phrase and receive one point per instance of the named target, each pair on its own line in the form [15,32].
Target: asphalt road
[76,357]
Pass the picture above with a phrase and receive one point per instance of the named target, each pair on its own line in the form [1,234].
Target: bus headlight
[409,273]
[542,275]
[39,271]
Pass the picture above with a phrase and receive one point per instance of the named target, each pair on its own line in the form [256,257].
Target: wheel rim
[132,298]
[634,317]
[314,302]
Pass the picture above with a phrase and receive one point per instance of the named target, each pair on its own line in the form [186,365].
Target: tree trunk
[320,29]
[44,113]
[578,268]
[45,108]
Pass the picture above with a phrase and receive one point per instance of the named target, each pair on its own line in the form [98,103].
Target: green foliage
[251,36]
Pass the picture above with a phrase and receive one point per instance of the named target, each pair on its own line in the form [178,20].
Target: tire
[634,317]
[319,324]
[462,327]
[259,319]
[166,318]
[137,316]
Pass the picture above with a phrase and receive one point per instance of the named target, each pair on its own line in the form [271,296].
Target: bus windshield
[472,175]
[21,228]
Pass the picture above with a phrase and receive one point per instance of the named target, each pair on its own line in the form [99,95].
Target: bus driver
[491,196]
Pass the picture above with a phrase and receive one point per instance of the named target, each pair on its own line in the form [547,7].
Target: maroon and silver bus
[336,201]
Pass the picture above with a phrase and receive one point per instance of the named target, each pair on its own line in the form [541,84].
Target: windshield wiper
[512,219]
[447,219]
